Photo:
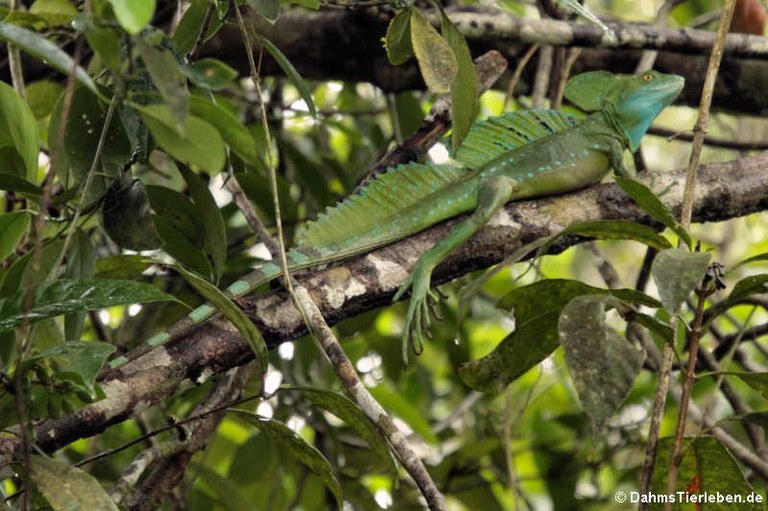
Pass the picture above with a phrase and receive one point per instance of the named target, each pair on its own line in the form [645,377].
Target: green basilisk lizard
[518,155]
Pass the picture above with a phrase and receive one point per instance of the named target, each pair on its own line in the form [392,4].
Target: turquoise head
[631,102]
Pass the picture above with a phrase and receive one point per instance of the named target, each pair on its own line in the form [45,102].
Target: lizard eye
[648,77]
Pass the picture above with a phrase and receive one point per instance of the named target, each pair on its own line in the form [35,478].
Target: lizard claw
[420,309]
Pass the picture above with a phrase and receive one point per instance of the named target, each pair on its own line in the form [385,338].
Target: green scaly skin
[575,156]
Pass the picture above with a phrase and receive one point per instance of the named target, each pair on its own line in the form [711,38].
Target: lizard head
[631,102]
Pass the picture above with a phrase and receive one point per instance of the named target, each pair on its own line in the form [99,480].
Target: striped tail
[265,273]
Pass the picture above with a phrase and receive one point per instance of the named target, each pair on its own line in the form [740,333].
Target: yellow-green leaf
[437,62]
[397,42]
[67,487]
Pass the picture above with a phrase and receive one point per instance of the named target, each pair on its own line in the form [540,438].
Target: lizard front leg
[492,195]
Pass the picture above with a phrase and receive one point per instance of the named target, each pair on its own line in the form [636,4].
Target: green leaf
[537,309]
[464,87]
[45,50]
[189,28]
[229,495]
[677,273]
[397,404]
[54,12]
[105,42]
[133,15]
[291,73]
[269,9]
[706,465]
[210,216]
[397,42]
[199,144]
[210,74]
[617,230]
[18,134]
[585,13]
[759,418]
[81,260]
[15,183]
[13,226]
[747,286]
[180,228]
[51,299]
[346,410]
[84,359]
[602,364]
[42,96]
[82,130]
[754,259]
[758,381]
[650,203]
[232,312]
[437,62]
[67,487]
[287,439]
[168,77]
[121,266]
[126,216]
[234,133]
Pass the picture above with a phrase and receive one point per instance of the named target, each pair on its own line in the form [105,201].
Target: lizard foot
[420,309]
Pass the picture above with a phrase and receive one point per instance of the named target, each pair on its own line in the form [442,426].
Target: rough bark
[346,45]
[724,190]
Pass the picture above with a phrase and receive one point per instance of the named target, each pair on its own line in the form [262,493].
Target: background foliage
[125,144]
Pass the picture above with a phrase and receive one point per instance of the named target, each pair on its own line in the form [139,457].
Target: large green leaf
[677,273]
[188,30]
[397,42]
[210,73]
[18,135]
[707,467]
[464,87]
[133,15]
[126,215]
[395,403]
[537,308]
[650,203]
[83,128]
[210,217]
[346,410]
[199,144]
[289,440]
[83,359]
[46,51]
[53,299]
[232,312]
[232,130]
[68,488]
[168,77]
[54,12]
[13,226]
[81,260]
[603,364]
[437,62]
[270,9]
[291,73]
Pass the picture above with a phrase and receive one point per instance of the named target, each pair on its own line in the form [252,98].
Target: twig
[328,343]
[685,221]
[738,145]
[488,67]
[521,63]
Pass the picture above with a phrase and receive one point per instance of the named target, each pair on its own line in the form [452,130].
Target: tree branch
[346,45]
[369,281]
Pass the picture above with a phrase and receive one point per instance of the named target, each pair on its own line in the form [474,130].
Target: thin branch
[685,221]
[216,346]
[737,145]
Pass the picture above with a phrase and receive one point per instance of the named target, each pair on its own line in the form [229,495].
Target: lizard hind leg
[492,194]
